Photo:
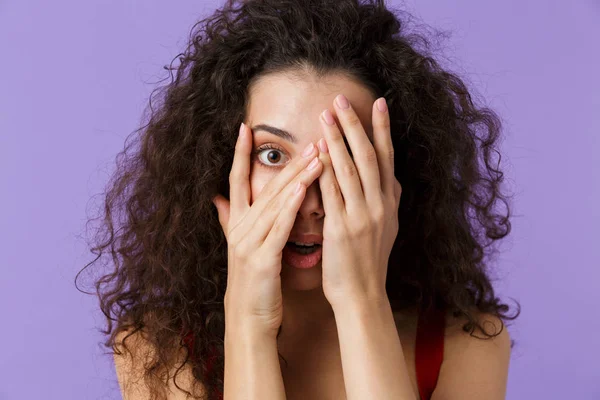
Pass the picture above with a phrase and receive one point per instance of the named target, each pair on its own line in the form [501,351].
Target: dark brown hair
[160,230]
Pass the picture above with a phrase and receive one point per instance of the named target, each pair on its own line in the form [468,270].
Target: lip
[307,238]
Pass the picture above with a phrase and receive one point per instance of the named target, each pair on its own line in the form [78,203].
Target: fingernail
[313,164]
[323,146]
[382,105]
[342,101]
[328,117]
[307,152]
[242,130]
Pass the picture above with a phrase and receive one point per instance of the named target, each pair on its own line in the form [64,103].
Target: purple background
[75,77]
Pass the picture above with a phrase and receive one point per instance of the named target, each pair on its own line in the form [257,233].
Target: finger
[333,202]
[383,146]
[345,170]
[279,234]
[397,192]
[276,185]
[364,155]
[263,226]
[239,185]
[223,209]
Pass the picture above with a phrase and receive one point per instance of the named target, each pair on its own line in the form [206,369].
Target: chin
[301,279]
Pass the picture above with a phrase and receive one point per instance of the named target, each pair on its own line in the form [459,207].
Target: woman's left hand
[360,200]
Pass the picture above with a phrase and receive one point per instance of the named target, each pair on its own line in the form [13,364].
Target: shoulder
[131,365]
[454,335]
[474,362]
[491,324]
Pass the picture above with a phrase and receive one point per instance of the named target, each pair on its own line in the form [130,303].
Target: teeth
[303,244]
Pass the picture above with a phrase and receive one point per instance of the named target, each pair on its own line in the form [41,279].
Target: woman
[365,274]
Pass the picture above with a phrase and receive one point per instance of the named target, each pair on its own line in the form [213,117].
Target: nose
[312,205]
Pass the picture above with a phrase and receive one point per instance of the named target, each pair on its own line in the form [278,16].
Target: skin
[312,344]
[293,104]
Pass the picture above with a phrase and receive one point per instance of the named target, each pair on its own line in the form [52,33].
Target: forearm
[372,357]
[252,369]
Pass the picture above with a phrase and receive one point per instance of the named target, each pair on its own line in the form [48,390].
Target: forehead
[294,101]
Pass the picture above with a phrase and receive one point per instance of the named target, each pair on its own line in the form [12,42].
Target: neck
[306,312]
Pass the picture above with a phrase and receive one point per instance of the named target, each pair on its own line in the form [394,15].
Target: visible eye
[272,155]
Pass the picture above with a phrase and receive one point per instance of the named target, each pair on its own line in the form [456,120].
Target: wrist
[248,328]
[362,305]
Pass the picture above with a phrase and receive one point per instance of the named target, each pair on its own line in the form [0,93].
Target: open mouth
[301,249]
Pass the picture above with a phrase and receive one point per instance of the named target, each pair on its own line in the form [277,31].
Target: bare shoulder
[130,369]
[491,324]
[455,336]
[475,365]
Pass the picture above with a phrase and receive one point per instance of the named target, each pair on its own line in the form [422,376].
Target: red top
[429,352]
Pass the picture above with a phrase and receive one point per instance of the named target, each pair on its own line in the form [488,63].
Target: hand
[360,199]
[257,234]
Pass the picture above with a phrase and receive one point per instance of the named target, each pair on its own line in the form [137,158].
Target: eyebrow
[282,133]
[276,131]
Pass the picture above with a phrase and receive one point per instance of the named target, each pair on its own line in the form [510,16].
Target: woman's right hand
[257,234]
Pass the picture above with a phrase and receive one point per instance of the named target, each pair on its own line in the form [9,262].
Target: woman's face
[294,105]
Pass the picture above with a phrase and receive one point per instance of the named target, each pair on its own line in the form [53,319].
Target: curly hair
[159,226]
